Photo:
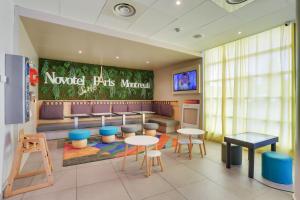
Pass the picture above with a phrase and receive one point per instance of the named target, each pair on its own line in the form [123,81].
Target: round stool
[79,137]
[151,155]
[277,168]
[108,133]
[150,128]
[128,131]
[236,154]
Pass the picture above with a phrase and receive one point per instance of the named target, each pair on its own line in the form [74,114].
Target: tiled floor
[199,178]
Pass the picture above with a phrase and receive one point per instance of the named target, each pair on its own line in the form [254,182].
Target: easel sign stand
[30,144]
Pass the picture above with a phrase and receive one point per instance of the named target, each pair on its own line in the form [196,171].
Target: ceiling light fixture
[124,10]
[117,57]
[147,62]
[197,36]
[80,52]
[178,2]
[235,1]
[240,32]
[177,29]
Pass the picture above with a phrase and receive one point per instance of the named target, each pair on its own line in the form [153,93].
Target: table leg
[137,152]
[273,147]
[143,122]
[146,159]
[228,154]
[124,119]
[76,122]
[251,162]
[125,155]
[190,147]
[103,120]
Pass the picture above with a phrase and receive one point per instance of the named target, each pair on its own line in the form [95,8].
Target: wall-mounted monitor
[186,81]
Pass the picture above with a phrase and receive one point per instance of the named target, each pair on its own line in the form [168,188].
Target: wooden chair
[199,141]
[29,144]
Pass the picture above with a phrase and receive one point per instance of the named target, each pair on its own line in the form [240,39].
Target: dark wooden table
[251,141]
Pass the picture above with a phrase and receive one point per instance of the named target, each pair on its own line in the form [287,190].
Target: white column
[297,166]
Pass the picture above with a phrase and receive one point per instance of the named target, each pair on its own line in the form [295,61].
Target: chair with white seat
[199,142]
[151,155]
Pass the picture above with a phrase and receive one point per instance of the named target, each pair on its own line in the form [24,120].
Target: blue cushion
[277,168]
[108,130]
[79,134]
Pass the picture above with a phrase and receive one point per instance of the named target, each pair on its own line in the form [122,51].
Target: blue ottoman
[277,168]
[108,133]
[79,137]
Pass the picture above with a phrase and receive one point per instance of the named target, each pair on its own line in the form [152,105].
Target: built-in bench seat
[52,114]
[166,125]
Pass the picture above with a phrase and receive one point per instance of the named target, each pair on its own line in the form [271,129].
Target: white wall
[6,46]
[13,40]
[163,88]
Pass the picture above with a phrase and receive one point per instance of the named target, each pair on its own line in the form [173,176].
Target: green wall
[64,80]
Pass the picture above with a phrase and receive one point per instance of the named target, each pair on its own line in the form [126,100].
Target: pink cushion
[166,110]
[134,107]
[119,108]
[147,107]
[81,109]
[101,108]
[51,111]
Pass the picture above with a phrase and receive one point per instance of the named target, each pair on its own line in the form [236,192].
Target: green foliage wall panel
[64,80]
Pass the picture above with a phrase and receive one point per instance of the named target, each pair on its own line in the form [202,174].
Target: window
[249,86]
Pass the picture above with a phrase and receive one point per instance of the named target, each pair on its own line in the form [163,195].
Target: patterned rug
[97,150]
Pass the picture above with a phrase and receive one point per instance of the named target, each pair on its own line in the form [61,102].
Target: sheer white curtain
[249,86]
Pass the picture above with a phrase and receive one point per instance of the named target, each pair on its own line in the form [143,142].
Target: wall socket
[3,79]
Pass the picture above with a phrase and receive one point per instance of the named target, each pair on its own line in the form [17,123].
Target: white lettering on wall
[57,80]
[127,84]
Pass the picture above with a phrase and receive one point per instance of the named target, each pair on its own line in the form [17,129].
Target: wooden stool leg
[137,153]
[204,147]
[161,164]
[150,166]
[200,146]
[47,165]
[143,162]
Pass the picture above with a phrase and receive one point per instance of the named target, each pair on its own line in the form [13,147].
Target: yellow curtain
[250,87]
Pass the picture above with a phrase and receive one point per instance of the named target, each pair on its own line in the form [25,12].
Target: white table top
[141,140]
[190,131]
[77,115]
[144,112]
[101,114]
[124,113]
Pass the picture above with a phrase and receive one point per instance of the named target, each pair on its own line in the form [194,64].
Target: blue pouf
[277,168]
[79,137]
[108,133]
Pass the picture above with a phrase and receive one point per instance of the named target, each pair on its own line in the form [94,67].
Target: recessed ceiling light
[147,62]
[124,10]
[177,29]
[197,36]
[178,2]
[80,52]
[117,57]
[235,1]
[240,32]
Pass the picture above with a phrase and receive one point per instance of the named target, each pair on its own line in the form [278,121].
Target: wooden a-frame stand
[29,144]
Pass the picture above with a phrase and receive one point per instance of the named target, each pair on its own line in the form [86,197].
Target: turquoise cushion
[108,130]
[79,134]
[277,168]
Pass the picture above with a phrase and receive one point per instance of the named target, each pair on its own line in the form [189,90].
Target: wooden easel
[29,144]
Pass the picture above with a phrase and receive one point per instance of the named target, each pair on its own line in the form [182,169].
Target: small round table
[190,132]
[140,140]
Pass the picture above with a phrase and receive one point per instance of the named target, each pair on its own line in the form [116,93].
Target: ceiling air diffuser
[232,5]
[124,10]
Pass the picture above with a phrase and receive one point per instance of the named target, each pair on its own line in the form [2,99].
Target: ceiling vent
[124,10]
[235,1]
[232,5]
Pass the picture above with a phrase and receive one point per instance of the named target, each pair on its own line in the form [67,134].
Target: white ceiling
[156,19]
[59,42]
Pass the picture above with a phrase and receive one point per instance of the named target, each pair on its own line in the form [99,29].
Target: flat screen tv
[185,81]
